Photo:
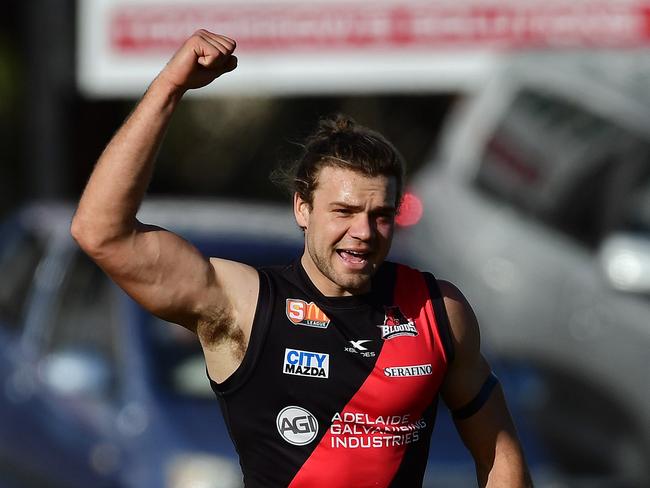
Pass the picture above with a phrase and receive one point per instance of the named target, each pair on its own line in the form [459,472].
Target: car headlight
[201,470]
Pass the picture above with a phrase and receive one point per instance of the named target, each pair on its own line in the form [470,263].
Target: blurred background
[526,128]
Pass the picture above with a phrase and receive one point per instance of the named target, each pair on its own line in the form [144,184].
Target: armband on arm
[479,400]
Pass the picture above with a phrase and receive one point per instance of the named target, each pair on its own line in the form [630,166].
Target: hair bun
[344,123]
[337,124]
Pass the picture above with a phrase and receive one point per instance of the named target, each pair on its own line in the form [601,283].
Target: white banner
[342,46]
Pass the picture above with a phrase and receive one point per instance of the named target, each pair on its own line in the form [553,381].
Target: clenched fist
[202,58]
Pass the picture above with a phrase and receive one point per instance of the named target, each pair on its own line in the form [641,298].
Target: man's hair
[340,142]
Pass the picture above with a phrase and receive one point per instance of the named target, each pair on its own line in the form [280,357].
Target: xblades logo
[296,425]
[358,345]
[359,348]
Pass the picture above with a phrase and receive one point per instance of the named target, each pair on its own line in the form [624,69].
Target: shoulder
[462,319]
[455,301]
[286,271]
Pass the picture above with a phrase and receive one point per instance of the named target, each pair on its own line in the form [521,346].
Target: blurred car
[93,390]
[537,204]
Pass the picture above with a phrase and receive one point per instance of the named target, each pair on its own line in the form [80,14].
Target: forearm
[508,469]
[108,206]
[510,477]
[119,181]
[492,439]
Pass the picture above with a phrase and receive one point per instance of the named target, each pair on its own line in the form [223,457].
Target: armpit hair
[220,330]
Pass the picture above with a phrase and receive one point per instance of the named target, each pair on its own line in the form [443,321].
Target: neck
[325,285]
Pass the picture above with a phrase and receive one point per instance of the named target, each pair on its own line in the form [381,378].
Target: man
[327,370]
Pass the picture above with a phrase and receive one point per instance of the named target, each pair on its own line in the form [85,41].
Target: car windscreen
[568,166]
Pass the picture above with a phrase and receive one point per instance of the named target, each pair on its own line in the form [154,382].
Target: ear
[301,210]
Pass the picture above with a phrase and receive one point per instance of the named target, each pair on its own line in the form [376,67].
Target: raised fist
[202,58]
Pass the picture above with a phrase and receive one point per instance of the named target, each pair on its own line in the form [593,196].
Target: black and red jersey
[338,391]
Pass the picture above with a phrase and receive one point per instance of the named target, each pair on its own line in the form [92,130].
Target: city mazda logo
[296,425]
[306,363]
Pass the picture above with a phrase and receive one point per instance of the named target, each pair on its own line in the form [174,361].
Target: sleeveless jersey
[338,391]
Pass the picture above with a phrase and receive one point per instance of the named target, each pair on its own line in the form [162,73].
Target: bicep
[167,275]
[469,369]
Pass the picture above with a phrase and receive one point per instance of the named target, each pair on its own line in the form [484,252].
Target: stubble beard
[353,283]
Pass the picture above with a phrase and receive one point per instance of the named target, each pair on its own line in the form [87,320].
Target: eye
[387,216]
[342,211]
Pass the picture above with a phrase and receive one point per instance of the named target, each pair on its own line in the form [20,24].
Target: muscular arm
[489,433]
[159,269]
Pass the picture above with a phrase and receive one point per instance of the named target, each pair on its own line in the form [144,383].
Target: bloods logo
[396,324]
[300,312]
[296,425]
[306,363]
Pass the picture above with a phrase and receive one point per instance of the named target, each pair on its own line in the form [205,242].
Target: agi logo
[306,363]
[296,425]
[396,324]
[300,312]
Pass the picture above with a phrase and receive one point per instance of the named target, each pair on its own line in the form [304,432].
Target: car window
[639,208]
[564,166]
[20,254]
[255,252]
[83,324]
[179,363]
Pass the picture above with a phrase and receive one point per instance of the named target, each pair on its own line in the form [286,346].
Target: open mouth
[353,257]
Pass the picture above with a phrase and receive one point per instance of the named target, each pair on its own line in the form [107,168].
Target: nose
[361,227]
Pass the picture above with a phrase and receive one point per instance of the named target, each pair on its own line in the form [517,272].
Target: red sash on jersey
[397,397]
